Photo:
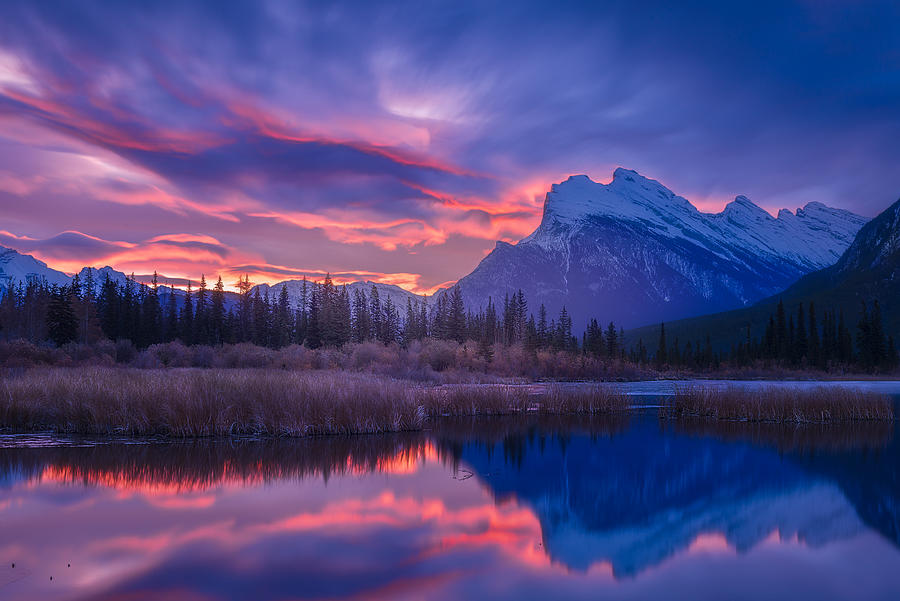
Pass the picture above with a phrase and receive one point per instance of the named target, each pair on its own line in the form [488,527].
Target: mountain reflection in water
[498,508]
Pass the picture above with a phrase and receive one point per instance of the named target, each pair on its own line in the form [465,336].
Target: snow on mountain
[635,252]
[816,514]
[397,294]
[815,235]
[16,267]
[869,270]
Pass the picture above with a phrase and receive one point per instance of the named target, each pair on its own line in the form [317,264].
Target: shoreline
[189,403]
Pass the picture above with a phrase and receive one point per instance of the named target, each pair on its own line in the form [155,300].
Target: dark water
[492,509]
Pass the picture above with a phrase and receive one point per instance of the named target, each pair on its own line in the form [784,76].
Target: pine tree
[283,328]
[423,319]
[217,314]
[801,341]
[245,309]
[313,333]
[457,316]
[110,307]
[409,326]
[892,358]
[489,332]
[186,325]
[562,339]
[260,318]
[845,341]
[781,334]
[390,322]
[375,314]
[343,311]
[612,341]
[302,319]
[171,319]
[661,351]
[62,324]
[531,341]
[201,313]
[151,314]
[770,344]
[362,323]
[542,330]
[878,342]
[815,348]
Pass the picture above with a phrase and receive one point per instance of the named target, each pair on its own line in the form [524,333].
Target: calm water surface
[627,508]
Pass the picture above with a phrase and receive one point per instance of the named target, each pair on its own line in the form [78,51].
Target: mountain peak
[629,196]
[743,206]
[621,173]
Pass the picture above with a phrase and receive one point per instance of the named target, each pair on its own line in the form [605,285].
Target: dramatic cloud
[401,141]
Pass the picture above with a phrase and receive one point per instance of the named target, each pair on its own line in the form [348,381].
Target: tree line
[324,315]
[330,315]
[796,340]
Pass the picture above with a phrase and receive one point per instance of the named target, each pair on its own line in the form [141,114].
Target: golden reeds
[779,404]
[260,402]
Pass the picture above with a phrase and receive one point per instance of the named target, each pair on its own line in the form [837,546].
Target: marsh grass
[197,403]
[555,399]
[192,402]
[780,405]
[188,403]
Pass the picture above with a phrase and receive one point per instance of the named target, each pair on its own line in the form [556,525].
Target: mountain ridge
[868,270]
[18,267]
[634,251]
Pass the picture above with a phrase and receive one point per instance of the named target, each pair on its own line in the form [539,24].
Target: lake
[624,507]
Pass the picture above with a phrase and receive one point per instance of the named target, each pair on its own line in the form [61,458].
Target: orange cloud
[382,139]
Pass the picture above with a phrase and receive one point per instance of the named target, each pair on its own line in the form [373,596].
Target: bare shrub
[439,354]
[171,354]
[125,351]
[203,356]
[246,355]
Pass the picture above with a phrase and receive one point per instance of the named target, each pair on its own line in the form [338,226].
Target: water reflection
[475,509]
[641,496]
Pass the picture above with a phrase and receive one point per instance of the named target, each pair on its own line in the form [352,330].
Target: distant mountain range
[635,252]
[396,294]
[17,267]
[868,270]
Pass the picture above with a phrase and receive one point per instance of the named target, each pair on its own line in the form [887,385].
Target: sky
[396,142]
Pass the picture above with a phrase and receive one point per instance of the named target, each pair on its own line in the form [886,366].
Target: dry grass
[260,402]
[555,399]
[193,402]
[779,405]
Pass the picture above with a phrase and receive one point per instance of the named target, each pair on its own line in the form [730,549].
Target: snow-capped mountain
[397,294]
[16,267]
[869,270]
[635,252]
